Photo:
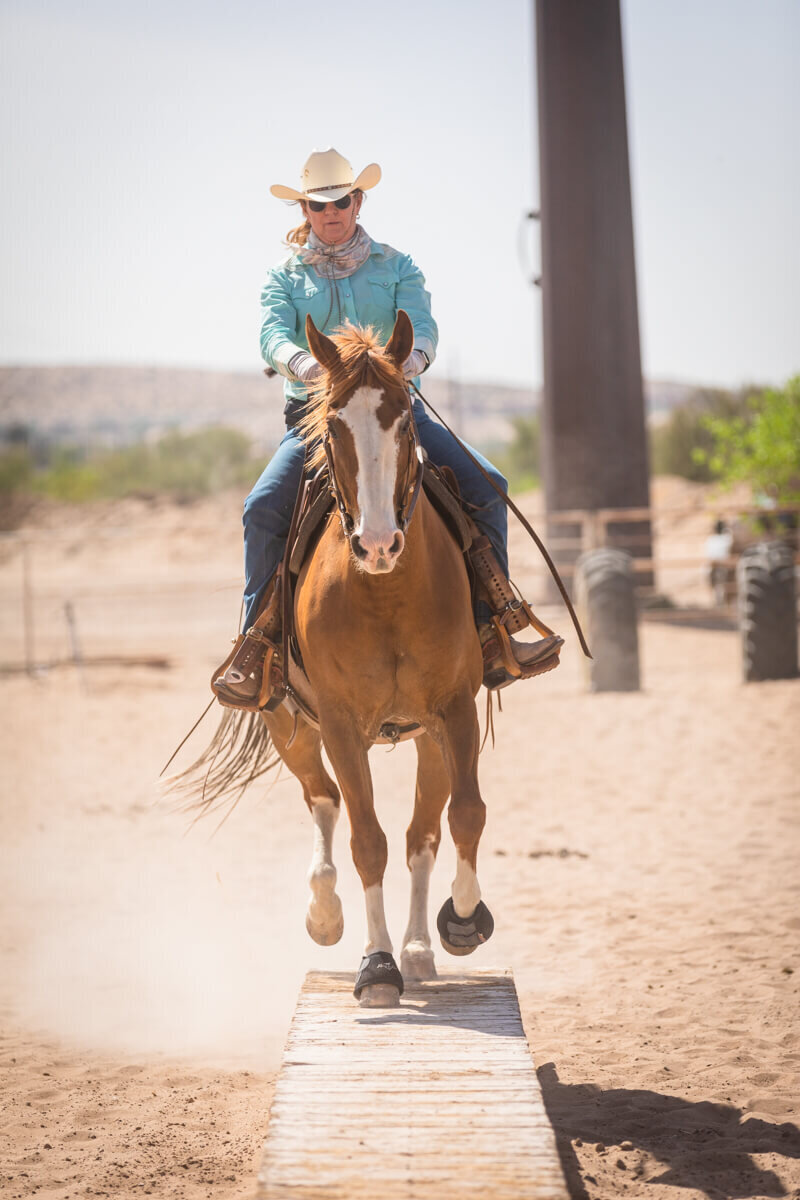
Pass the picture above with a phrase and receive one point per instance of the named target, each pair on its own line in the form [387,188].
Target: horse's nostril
[397,544]
[358,549]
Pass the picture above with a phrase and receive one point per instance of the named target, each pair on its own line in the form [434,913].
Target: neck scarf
[336,262]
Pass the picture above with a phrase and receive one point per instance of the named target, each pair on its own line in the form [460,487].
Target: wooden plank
[440,1092]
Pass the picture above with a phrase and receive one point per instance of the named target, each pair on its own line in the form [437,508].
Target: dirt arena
[640,859]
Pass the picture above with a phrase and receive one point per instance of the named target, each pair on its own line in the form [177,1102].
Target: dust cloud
[138,933]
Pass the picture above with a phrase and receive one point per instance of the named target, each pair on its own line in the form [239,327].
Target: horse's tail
[240,751]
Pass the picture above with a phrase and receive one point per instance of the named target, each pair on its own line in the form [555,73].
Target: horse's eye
[405,423]
[331,423]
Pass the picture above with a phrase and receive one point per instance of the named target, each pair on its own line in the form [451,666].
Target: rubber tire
[767,611]
[606,599]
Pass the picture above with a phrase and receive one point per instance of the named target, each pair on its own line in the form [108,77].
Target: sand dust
[640,859]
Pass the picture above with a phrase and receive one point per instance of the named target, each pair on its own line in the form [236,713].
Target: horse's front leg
[299,747]
[422,843]
[379,982]
[464,921]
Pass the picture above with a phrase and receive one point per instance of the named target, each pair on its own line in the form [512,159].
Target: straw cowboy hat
[328,176]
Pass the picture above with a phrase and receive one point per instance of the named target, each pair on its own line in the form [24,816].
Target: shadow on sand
[704,1146]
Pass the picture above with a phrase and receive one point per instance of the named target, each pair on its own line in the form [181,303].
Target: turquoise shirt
[386,282]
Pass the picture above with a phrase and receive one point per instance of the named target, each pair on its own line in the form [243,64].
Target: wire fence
[108,605]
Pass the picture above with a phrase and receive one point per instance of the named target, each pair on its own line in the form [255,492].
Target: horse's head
[360,412]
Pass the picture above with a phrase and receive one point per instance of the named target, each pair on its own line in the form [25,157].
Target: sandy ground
[640,859]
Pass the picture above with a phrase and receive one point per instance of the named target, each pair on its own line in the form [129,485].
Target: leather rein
[412,486]
[509,503]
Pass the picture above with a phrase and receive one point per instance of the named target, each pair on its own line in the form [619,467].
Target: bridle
[412,484]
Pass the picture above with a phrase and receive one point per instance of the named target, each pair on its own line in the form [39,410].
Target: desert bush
[16,469]
[675,443]
[182,465]
[520,460]
[761,447]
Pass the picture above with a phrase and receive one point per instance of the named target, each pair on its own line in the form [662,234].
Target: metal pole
[594,442]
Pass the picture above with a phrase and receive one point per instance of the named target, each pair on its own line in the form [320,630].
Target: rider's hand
[305,367]
[415,364]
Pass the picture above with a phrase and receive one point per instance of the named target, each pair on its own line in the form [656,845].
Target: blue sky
[140,140]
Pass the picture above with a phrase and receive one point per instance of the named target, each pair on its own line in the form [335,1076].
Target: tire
[767,612]
[605,592]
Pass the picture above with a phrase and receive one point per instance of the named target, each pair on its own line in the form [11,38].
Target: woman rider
[337,273]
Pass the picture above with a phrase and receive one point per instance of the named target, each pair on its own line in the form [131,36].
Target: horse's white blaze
[466,890]
[324,906]
[377,933]
[376,451]
[420,866]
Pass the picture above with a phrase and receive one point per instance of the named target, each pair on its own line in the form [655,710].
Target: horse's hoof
[328,930]
[462,935]
[379,995]
[416,962]
[379,984]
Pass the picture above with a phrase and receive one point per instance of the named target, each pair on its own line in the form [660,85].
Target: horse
[383,620]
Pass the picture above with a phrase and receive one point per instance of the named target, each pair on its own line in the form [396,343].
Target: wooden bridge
[439,1094]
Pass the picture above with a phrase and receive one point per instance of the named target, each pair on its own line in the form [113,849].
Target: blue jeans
[268,508]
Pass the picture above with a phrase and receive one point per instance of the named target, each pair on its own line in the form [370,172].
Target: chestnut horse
[384,622]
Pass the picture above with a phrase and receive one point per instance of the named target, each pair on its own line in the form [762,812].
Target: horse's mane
[364,363]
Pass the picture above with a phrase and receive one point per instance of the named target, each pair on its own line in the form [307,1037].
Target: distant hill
[110,405]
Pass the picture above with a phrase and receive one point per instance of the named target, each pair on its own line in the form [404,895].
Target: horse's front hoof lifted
[324,918]
[379,984]
[462,935]
[325,933]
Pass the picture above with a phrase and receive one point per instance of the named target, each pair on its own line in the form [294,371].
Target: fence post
[27,609]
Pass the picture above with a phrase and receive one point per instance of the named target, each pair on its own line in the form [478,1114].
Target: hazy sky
[140,139]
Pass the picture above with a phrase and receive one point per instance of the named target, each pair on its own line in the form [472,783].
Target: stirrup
[501,665]
[255,659]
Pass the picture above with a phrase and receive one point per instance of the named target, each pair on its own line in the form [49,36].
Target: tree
[762,448]
[675,442]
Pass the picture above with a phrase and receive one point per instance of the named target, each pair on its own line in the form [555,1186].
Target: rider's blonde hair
[299,235]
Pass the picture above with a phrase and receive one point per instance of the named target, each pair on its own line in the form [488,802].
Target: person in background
[718,549]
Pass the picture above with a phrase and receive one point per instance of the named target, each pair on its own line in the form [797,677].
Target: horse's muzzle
[378,553]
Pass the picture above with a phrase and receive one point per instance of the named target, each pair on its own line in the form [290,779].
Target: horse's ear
[401,343]
[321,347]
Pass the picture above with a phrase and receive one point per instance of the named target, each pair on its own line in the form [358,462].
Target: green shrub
[761,447]
[520,461]
[675,443]
[182,465]
[16,470]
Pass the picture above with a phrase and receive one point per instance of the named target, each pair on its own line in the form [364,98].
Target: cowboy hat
[328,176]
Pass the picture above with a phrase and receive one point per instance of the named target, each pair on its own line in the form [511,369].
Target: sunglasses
[317,206]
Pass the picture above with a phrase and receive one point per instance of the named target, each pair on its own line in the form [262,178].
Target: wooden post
[27,609]
[75,645]
[436,1098]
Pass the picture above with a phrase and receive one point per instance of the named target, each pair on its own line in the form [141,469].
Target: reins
[509,503]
